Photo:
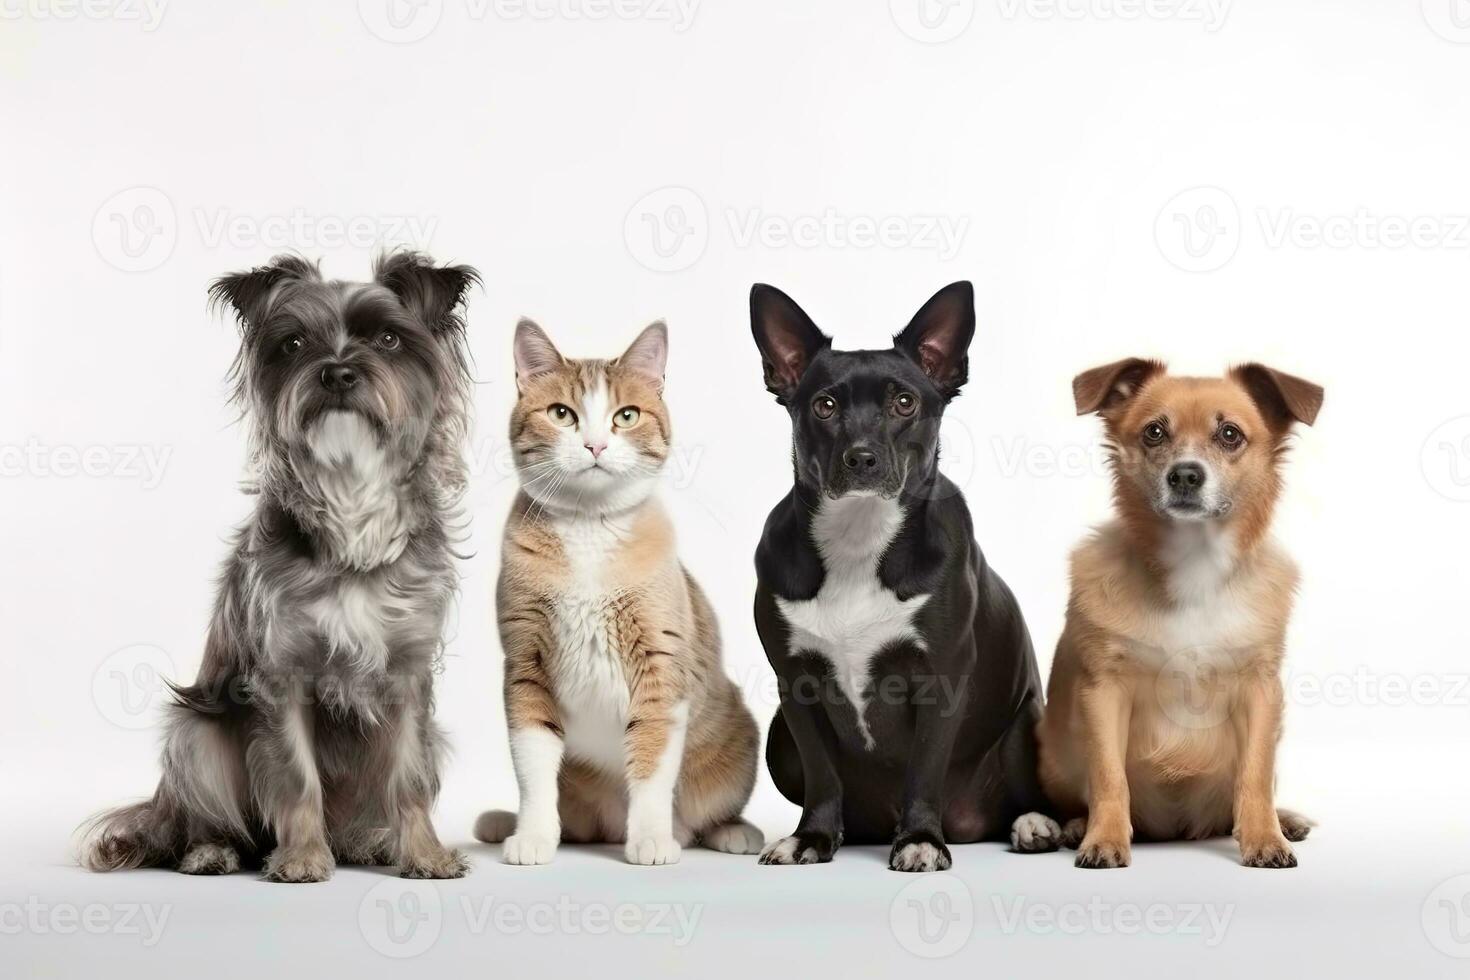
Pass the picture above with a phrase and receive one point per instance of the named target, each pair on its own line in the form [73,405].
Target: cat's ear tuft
[648,354]
[938,337]
[534,352]
[787,338]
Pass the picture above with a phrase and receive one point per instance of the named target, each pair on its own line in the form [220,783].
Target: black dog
[909,688]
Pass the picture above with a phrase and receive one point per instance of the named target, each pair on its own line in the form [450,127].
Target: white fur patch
[853,615]
[651,801]
[361,513]
[537,754]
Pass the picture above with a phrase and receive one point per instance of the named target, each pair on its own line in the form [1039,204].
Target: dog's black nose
[859,459]
[338,377]
[1186,477]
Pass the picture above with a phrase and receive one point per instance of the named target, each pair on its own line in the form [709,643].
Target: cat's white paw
[1033,833]
[734,838]
[652,850]
[529,849]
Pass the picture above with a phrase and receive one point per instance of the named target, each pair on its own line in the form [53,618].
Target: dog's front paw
[299,864]
[1103,853]
[919,853]
[529,849]
[1267,853]
[652,850]
[800,848]
[210,859]
[1035,833]
[445,864]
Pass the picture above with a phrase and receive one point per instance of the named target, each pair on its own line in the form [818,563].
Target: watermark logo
[400,21]
[933,917]
[1193,689]
[130,682]
[147,13]
[1210,13]
[135,230]
[667,230]
[400,918]
[1446,917]
[1445,459]
[1450,19]
[1100,917]
[932,21]
[144,463]
[39,918]
[1198,230]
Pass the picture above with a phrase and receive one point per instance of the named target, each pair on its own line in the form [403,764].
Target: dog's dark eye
[905,403]
[1230,437]
[1154,433]
[292,344]
[388,340]
[824,407]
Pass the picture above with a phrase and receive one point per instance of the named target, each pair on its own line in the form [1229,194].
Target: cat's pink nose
[596,448]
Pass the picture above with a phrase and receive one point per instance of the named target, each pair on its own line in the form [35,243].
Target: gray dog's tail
[139,835]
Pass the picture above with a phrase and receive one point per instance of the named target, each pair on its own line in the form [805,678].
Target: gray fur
[308,736]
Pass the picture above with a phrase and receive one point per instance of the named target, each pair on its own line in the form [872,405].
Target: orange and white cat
[623,725]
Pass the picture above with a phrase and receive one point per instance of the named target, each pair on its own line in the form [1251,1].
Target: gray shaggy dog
[308,737]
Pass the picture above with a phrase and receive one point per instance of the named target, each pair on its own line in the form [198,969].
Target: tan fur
[648,613]
[1165,703]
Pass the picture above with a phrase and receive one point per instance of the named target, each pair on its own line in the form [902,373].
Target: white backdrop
[1204,181]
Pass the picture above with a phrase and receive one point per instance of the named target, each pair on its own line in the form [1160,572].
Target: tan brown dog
[1165,700]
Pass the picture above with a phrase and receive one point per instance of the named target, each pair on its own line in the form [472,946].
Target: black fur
[952,721]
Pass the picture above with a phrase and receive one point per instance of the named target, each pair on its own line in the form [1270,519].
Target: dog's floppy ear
[1283,398]
[938,337]
[1111,385]
[250,294]
[434,293]
[648,353]
[534,352]
[786,336]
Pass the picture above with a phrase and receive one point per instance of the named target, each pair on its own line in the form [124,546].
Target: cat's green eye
[561,415]
[626,418]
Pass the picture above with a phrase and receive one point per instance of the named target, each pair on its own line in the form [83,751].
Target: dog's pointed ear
[534,352]
[434,293]
[1283,398]
[786,336]
[648,354]
[938,337]
[250,294]
[1107,387]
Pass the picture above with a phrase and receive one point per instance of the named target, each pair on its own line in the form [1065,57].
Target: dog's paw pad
[1035,833]
[210,859]
[919,856]
[529,849]
[652,850]
[734,838]
[1103,854]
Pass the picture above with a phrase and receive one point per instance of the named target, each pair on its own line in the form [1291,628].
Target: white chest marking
[590,683]
[853,615]
[361,512]
[1209,618]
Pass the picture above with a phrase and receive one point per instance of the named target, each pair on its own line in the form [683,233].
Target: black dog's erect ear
[938,337]
[249,294]
[434,293]
[1106,387]
[786,336]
